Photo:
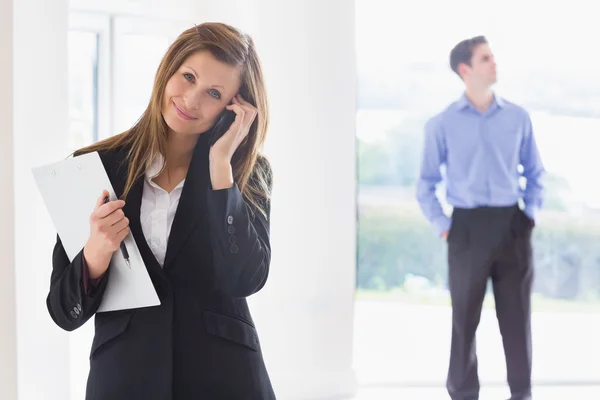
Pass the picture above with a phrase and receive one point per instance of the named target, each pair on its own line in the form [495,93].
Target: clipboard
[70,190]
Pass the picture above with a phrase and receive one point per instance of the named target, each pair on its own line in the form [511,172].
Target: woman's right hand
[108,228]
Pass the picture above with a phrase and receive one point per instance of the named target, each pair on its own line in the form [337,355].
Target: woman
[199,212]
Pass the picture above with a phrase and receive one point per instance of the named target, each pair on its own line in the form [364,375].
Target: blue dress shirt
[484,155]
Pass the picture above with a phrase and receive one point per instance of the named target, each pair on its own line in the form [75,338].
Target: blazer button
[73,314]
[231,229]
[232,239]
[234,249]
[230,220]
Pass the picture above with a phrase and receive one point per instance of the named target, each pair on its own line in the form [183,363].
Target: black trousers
[490,243]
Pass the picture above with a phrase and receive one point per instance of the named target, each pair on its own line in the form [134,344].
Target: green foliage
[394,160]
[373,166]
[395,242]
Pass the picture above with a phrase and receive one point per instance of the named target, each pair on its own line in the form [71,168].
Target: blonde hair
[148,137]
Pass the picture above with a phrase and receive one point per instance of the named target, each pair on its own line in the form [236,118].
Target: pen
[123,248]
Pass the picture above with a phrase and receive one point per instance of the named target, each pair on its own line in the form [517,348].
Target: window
[89,74]
[139,46]
[550,73]
[83,88]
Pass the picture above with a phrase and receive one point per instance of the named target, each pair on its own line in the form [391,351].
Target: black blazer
[201,342]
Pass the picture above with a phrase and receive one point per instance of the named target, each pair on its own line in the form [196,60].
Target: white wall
[304,314]
[40,127]
[8,332]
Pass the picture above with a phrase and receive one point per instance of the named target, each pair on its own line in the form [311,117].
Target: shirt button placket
[488,151]
[161,204]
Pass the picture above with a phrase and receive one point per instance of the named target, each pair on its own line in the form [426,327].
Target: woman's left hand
[245,114]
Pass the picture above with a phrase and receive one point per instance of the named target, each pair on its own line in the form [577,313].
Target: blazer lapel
[193,200]
[132,209]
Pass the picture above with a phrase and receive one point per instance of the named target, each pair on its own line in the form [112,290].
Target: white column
[8,328]
[305,313]
[40,113]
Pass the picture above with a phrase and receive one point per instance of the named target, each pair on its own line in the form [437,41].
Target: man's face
[482,72]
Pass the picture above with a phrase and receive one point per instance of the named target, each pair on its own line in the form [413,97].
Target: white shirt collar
[154,168]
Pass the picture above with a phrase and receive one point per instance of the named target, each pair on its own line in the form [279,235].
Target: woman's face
[198,92]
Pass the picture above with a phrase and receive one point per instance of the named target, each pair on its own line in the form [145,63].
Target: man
[486,145]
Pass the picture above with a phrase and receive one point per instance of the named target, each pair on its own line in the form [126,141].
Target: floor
[398,344]
[540,393]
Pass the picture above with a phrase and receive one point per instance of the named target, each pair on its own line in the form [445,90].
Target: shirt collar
[154,166]
[153,170]
[463,102]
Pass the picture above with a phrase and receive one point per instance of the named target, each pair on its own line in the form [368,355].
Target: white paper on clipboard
[70,190]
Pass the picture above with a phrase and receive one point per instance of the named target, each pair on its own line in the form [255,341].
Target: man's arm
[433,157]
[533,171]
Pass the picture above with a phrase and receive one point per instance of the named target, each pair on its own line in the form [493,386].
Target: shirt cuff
[441,225]
[531,212]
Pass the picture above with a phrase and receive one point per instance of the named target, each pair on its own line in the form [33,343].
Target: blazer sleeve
[69,303]
[240,242]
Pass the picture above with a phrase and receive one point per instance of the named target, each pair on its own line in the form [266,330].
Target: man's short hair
[462,53]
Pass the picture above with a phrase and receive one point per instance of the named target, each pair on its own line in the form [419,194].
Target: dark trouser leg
[468,272]
[512,277]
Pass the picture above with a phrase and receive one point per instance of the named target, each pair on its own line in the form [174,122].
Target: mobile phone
[225,120]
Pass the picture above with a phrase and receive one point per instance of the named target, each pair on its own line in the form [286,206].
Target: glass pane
[406,338]
[136,67]
[83,89]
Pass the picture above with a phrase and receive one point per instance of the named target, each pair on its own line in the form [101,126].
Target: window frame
[99,24]
[128,25]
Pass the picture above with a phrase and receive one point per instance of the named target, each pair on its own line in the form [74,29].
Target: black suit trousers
[490,243]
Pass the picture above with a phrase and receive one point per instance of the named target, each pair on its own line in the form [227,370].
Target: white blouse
[158,211]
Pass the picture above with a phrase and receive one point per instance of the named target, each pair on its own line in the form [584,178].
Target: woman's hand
[226,145]
[108,228]
[221,153]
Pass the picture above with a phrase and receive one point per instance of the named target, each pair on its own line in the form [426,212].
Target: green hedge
[396,242]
